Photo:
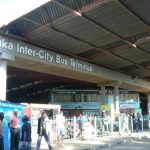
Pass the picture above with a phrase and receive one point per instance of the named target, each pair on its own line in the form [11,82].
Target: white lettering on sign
[48,56]
[45,55]
[6,45]
[61,60]
[78,65]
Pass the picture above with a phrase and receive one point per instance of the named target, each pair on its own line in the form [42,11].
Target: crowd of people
[21,137]
[14,126]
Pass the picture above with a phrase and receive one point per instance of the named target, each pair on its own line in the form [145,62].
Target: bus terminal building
[84,55]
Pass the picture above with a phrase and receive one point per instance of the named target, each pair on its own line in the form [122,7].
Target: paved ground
[109,142]
[137,144]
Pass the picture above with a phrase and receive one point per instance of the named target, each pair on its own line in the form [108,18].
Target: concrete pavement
[136,144]
[95,143]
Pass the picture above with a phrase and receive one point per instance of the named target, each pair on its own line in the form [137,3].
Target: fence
[104,126]
[93,127]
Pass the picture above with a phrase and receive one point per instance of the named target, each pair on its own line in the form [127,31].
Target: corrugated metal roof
[140,8]
[76,4]
[52,39]
[134,55]
[145,46]
[84,29]
[141,72]
[111,27]
[111,61]
[118,20]
[47,13]
[129,68]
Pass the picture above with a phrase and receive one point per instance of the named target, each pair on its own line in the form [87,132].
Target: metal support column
[103,95]
[3,79]
[116,98]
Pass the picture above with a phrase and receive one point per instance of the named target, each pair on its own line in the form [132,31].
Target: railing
[94,127]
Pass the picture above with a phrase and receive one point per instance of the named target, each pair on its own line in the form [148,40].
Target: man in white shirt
[60,124]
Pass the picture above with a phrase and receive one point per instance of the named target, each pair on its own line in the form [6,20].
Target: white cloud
[12,9]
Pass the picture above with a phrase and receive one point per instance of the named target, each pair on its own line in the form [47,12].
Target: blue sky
[12,9]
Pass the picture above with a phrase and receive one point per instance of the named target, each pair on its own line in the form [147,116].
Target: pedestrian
[26,134]
[42,122]
[80,121]
[90,118]
[60,124]
[14,125]
[135,122]
[125,126]
[139,120]
[104,122]
[1,131]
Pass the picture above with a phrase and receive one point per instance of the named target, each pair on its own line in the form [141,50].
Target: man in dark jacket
[26,133]
[42,131]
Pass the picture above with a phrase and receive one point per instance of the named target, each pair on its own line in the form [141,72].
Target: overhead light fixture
[77,13]
[134,45]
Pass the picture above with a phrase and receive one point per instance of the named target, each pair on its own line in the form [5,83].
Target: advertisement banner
[80,105]
[124,105]
[105,107]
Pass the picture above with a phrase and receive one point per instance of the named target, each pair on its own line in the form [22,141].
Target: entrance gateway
[23,54]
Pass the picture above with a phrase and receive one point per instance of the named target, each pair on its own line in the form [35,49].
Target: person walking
[105,122]
[80,122]
[14,125]
[125,126]
[60,124]
[42,131]
[26,133]
[1,131]
[135,122]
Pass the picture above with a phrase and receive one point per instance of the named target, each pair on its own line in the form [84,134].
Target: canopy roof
[110,33]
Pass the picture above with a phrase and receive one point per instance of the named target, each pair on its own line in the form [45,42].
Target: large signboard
[80,105]
[35,53]
[124,105]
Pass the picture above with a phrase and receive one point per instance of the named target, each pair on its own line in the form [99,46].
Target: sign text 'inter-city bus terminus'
[51,57]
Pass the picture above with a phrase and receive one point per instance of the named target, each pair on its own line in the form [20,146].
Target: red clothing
[14,122]
[27,112]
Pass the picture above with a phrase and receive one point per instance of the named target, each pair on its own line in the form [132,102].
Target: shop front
[130,107]
[75,108]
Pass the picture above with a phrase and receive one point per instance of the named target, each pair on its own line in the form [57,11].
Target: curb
[125,141]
